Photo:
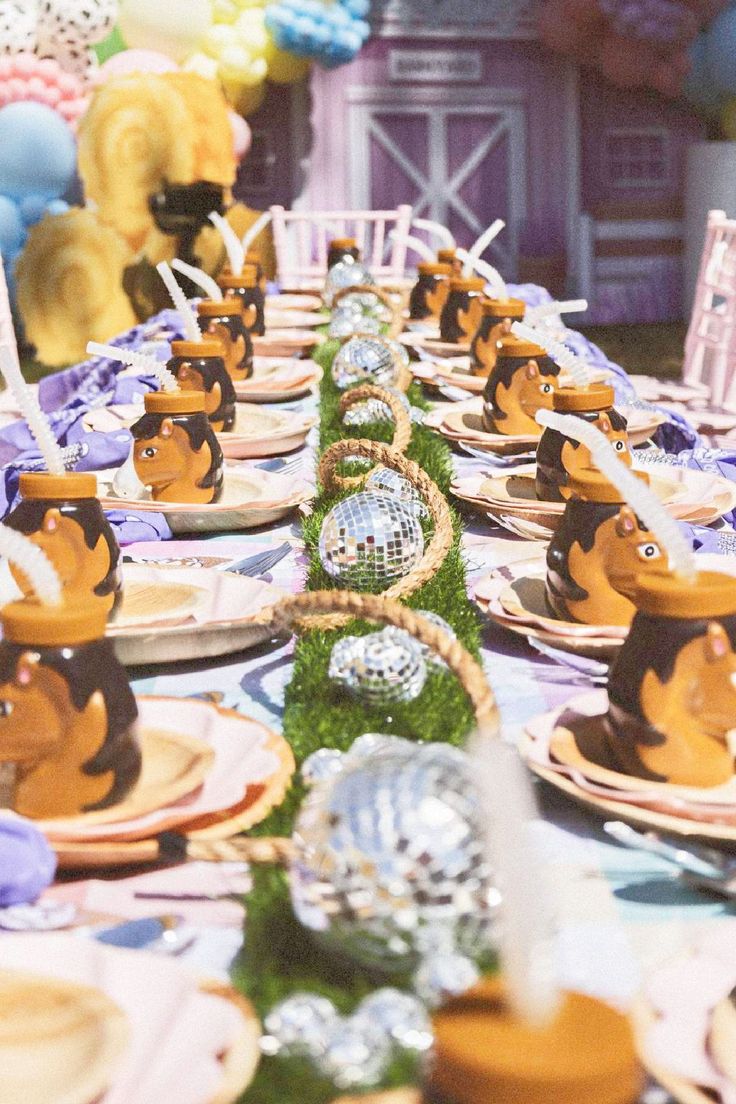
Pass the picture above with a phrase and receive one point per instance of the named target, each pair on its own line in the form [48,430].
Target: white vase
[710,184]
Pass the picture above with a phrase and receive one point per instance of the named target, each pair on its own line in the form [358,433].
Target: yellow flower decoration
[69,285]
[214,156]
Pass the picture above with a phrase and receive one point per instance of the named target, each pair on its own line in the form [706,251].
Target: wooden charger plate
[170,614]
[258,432]
[278,379]
[588,709]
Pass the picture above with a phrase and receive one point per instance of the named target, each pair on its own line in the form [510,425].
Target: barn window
[637,158]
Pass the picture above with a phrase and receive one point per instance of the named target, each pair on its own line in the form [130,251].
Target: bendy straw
[445,236]
[181,303]
[143,362]
[527,927]
[416,244]
[487,271]
[30,409]
[34,563]
[533,315]
[566,359]
[481,243]
[639,497]
[253,231]
[198,277]
[233,244]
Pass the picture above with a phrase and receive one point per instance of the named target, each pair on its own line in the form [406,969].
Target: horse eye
[619,446]
[6,708]
[148,453]
[649,551]
[546,388]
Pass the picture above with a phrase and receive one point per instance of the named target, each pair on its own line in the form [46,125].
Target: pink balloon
[135,61]
[241,135]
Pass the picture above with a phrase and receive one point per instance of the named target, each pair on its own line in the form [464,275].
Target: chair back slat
[710,345]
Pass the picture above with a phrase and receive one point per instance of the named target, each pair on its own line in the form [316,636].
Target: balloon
[242,135]
[720,52]
[32,208]
[37,152]
[173,27]
[698,85]
[135,61]
[285,68]
[247,100]
[12,230]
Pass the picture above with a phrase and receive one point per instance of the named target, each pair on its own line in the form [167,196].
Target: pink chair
[710,345]
[301,240]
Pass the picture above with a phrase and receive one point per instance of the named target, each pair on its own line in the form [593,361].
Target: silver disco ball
[382,668]
[387,481]
[346,323]
[364,360]
[368,541]
[373,410]
[398,350]
[345,274]
[366,303]
[389,856]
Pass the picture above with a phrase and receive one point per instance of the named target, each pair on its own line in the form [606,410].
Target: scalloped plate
[278,379]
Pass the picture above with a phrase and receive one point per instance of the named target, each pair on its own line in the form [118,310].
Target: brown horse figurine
[461,313]
[522,382]
[67,720]
[429,294]
[221,321]
[177,455]
[199,366]
[495,324]
[560,458]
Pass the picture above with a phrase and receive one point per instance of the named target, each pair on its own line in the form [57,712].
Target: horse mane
[197,430]
[80,671]
[552,441]
[503,372]
[568,533]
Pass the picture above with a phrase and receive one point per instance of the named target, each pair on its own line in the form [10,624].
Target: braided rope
[253,849]
[402,423]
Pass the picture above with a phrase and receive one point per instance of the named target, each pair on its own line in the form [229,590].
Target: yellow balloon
[173,27]
[728,120]
[285,68]
[245,99]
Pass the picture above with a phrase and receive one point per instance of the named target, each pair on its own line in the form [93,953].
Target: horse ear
[604,423]
[27,666]
[167,427]
[51,520]
[626,522]
[716,643]
[250,315]
[531,370]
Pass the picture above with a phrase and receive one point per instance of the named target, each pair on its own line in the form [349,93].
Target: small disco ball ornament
[346,323]
[387,481]
[375,887]
[357,1054]
[368,541]
[366,303]
[300,1025]
[430,657]
[398,350]
[345,274]
[373,410]
[364,360]
[382,668]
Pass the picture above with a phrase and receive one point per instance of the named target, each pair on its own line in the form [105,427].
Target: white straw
[446,236]
[575,365]
[416,244]
[253,231]
[639,497]
[32,412]
[487,271]
[198,277]
[141,361]
[527,938]
[233,245]
[557,306]
[34,563]
[481,244]
[181,303]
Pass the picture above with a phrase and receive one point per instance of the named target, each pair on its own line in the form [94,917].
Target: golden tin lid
[592,485]
[211,308]
[446,256]
[512,346]
[197,349]
[503,308]
[467,283]
[68,485]
[253,257]
[343,243]
[581,400]
[434,268]
[709,594]
[174,402]
[484,1052]
[248,278]
[32,623]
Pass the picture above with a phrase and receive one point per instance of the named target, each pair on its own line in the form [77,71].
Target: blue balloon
[698,87]
[57,207]
[358,8]
[12,230]
[37,152]
[720,52]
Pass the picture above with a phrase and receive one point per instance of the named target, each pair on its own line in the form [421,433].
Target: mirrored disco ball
[345,274]
[381,668]
[387,481]
[373,410]
[430,656]
[364,360]
[346,323]
[370,540]
[389,854]
[365,303]
[398,350]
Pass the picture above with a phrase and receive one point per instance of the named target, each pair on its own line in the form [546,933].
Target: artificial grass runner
[281,957]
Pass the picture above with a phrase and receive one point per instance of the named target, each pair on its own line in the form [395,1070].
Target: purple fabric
[130,528]
[27,863]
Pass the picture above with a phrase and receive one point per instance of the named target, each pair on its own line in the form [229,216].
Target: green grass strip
[281,957]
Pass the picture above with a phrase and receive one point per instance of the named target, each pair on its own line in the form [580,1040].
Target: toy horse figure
[495,324]
[222,322]
[522,382]
[429,294]
[175,452]
[199,366]
[461,313]
[81,545]
[560,458]
[67,719]
[672,688]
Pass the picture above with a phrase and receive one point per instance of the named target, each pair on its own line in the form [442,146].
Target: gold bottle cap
[29,622]
[503,308]
[484,1053]
[512,346]
[248,278]
[434,268]
[343,243]
[70,485]
[592,485]
[581,400]
[446,256]
[467,283]
[197,349]
[212,308]
[709,594]
[174,402]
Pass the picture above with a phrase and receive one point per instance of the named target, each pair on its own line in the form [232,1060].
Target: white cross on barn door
[456,159]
